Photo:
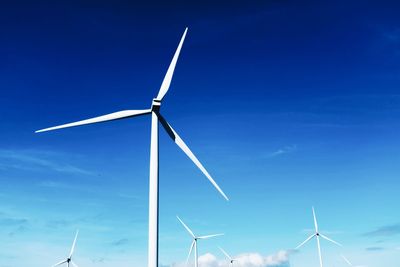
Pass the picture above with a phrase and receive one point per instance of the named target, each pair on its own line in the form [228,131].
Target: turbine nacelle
[155,106]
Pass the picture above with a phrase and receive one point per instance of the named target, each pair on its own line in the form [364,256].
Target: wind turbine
[69,259]
[317,234]
[229,257]
[194,243]
[155,118]
[349,263]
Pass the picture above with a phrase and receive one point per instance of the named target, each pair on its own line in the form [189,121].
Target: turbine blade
[208,236]
[174,136]
[226,254]
[190,251]
[305,241]
[187,228]
[333,241]
[346,260]
[61,262]
[168,76]
[109,117]
[73,263]
[315,220]
[319,252]
[73,244]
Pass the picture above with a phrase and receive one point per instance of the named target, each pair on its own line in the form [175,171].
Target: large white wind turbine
[231,260]
[349,263]
[155,118]
[317,234]
[194,243]
[69,259]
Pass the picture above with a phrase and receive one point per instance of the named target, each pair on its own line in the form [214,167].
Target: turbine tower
[69,259]
[229,257]
[317,234]
[194,243]
[155,118]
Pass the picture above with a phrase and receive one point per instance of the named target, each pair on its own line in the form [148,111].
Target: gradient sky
[287,105]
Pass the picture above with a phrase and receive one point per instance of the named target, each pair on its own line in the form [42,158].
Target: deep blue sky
[287,104]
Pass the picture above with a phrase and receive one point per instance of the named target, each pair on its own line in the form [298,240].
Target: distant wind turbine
[194,243]
[231,260]
[69,259]
[317,234]
[155,118]
[349,263]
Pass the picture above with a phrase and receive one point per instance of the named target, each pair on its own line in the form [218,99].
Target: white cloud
[252,259]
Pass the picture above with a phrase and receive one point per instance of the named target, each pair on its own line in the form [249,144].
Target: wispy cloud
[53,184]
[12,221]
[55,224]
[99,260]
[8,220]
[120,242]
[35,160]
[384,231]
[128,196]
[282,151]
[374,248]
[392,35]
[14,224]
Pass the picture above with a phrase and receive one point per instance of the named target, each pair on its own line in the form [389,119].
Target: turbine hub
[155,106]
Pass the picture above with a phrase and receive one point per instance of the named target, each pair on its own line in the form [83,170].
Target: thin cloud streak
[384,231]
[282,151]
[37,161]
[374,248]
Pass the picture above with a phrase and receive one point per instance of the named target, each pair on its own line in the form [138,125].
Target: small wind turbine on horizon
[349,263]
[231,260]
[194,243]
[69,259]
[153,177]
[317,234]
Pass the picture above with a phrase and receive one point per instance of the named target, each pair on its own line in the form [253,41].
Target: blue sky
[288,105]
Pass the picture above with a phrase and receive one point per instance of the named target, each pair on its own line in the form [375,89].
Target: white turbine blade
[333,241]
[109,117]
[73,244]
[319,252]
[187,228]
[315,220]
[190,251]
[168,76]
[61,262]
[226,254]
[346,260]
[174,136]
[305,241]
[208,236]
[73,263]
